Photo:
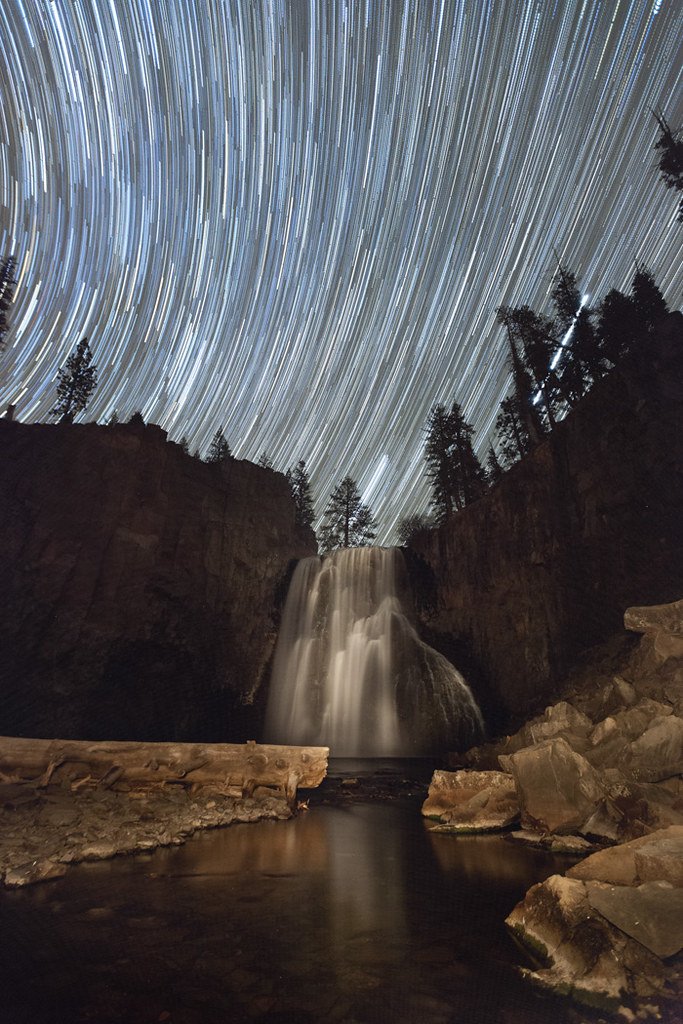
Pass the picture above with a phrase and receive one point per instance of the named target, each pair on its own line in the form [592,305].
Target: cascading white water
[350,671]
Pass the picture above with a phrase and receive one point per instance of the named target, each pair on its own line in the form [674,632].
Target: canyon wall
[518,584]
[141,587]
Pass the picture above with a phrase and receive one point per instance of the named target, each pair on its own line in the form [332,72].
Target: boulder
[632,809]
[664,624]
[659,751]
[471,801]
[558,789]
[656,618]
[655,857]
[651,913]
[589,958]
[560,719]
[633,721]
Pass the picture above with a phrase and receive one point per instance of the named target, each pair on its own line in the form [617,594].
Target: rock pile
[600,770]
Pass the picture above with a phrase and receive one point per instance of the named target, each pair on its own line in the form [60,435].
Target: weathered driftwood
[222,766]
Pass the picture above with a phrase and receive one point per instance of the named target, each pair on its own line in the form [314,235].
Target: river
[353,914]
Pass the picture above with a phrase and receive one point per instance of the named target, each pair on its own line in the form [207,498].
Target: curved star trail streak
[294,220]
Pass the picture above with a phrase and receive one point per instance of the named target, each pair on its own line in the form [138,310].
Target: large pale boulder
[655,857]
[558,789]
[471,801]
[589,958]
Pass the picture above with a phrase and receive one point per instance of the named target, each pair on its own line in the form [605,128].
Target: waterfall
[350,671]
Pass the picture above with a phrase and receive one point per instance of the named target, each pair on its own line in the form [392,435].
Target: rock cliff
[541,568]
[141,586]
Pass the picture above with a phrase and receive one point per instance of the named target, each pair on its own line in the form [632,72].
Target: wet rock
[557,788]
[655,857]
[471,801]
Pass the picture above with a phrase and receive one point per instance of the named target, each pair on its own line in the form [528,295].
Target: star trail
[294,219]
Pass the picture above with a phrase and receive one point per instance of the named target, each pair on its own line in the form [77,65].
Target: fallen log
[223,766]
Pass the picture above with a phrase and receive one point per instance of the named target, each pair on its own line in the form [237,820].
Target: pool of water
[351,914]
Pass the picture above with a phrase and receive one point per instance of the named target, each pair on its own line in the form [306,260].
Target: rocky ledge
[597,773]
[43,831]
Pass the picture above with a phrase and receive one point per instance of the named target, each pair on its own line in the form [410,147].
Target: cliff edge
[141,586]
[591,522]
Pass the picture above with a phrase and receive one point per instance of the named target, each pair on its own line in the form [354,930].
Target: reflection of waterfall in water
[350,671]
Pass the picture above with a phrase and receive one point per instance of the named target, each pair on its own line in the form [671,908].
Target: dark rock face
[141,586]
[588,524]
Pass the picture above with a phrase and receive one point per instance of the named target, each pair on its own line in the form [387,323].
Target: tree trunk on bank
[147,765]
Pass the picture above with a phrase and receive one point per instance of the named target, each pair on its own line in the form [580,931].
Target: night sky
[295,220]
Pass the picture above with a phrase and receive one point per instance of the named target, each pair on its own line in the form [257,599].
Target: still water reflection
[353,914]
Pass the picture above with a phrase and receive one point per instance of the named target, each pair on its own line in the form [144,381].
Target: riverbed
[351,913]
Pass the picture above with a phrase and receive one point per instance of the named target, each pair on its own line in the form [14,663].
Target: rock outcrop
[140,586]
[540,569]
[470,801]
[600,770]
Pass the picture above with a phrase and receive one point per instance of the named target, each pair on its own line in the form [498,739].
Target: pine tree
[113,419]
[524,387]
[301,493]
[409,526]
[494,470]
[616,320]
[566,297]
[455,472]
[347,521]
[8,283]
[649,303]
[219,449]
[184,444]
[440,468]
[586,348]
[75,383]
[265,461]
[536,339]
[513,436]
[670,145]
